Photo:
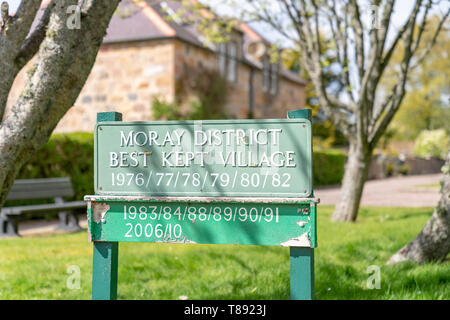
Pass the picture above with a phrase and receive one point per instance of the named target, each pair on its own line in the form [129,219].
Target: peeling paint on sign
[302,223]
[89,235]
[301,241]
[172,240]
[99,211]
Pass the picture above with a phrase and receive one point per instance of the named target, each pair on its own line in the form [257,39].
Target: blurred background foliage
[65,155]
[426,104]
[325,133]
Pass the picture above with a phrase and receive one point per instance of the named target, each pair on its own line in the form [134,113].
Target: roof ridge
[155,17]
[252,33]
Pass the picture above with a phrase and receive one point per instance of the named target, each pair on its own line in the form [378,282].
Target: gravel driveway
[408,191]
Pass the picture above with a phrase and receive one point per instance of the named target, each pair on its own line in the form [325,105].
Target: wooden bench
[32,189]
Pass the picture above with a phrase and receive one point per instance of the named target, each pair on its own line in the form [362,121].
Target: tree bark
[433,242]
[356,171]
[65,59]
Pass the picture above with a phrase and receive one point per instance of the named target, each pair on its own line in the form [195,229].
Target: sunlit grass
[36,268]
[436,185]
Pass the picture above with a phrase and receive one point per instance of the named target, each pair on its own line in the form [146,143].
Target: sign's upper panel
[238,158]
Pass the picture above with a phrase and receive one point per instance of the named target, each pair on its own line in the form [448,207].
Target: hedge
[65,155]
[328,167]
[73,155]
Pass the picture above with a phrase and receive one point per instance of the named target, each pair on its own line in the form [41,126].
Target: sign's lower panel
[290,224]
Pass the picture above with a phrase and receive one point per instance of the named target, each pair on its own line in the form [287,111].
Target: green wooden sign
[239,158]
[245,182]
[288,222]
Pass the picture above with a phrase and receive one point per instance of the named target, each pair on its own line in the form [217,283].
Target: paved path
[408,191]
[36,227]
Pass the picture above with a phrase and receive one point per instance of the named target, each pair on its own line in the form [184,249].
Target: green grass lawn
[435,185]
[36,268]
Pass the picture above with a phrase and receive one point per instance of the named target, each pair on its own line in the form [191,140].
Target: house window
[222,58]
[232,57]
[270,76]
[274,79]
[228,56]
[266,74]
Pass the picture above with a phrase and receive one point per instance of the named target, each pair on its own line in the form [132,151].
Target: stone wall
[125,78]
[383,166]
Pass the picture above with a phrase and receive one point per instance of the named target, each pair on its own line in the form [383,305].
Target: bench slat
[43,208]
[27,189]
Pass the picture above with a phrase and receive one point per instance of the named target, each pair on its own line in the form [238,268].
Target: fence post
[105,257]
[302,273]
[104,270]
[301,259]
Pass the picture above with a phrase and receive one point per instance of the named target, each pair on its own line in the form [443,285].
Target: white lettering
[136,139]
[126,141]
[113,162]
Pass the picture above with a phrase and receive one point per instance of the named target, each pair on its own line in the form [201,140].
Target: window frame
[274,79]
[270,76]
[232,61]
[222,57]
[228,53]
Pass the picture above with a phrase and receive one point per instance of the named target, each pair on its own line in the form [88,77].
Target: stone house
[146,57]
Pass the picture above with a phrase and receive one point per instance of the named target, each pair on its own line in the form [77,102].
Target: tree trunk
[433,242]
[356,171]
[65,59]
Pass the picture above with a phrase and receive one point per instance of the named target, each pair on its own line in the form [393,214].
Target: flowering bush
[432,143]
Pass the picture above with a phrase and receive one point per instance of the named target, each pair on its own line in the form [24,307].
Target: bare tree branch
[20,24]
[358,30]
[5,15]
[390,107]
[14,31]
[422,26]
[31,44]
[340,36]
[427,50]
[385,23]
[387,57]
[399,89]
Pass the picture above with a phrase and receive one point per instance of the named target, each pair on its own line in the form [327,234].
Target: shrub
[163,110]
[432,143]
[328,167]
[65,155]
[404,169]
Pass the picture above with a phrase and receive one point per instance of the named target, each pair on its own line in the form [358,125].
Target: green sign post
[209,182]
